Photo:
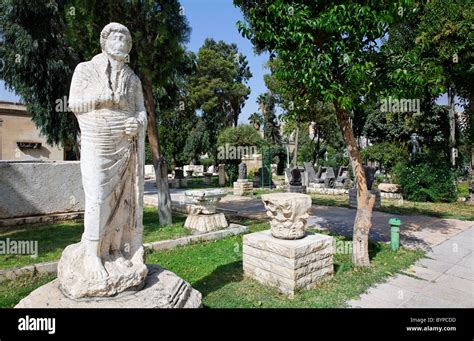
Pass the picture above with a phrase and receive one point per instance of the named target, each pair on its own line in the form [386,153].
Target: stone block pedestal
[243,187]
[203,223]
[289,265]
[353,198]
[297,189]
[202,215]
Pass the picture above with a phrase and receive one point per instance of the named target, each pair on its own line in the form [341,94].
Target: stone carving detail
[289,213]
[202,215]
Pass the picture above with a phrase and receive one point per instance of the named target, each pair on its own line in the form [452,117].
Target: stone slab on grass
[162,289]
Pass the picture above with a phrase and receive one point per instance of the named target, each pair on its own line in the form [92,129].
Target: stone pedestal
[296,189]
[243,187]
[203,223]
[178,183]
[202,215]
[353,198]
[222,180]
[162,289]
[289,265]
[208,178]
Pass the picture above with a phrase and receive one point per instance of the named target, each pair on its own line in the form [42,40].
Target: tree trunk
[317,148]
[470,112]
[452,124]
[159,162]
[297,137]
[365,199]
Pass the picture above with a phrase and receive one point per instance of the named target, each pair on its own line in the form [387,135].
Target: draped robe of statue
[112,166]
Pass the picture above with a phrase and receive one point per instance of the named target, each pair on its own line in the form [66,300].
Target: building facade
[20,140]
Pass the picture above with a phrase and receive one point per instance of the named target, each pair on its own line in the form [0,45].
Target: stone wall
[40,188]
[253,162]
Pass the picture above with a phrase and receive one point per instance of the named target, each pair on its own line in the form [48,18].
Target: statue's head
[116,41]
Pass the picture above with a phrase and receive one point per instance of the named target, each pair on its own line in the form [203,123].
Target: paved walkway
[445,279]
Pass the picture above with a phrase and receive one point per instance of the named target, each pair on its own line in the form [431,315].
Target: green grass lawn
[455,210]
[11,292]
[215,269]
[53,238]
[198,182]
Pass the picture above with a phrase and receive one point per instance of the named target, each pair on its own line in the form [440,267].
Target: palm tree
[271,129]
[256,120]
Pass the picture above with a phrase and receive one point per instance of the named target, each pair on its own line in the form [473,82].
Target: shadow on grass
[343,262]
[222,275]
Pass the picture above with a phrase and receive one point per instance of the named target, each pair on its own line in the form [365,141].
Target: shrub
[251,173]
[425,179]
[387,154]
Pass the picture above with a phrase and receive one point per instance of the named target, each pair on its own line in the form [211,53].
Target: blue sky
[213,19]
[218,19]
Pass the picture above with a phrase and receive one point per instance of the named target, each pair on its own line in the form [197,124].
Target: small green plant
[251,174]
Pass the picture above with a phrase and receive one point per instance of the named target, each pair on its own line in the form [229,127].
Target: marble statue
[106,97]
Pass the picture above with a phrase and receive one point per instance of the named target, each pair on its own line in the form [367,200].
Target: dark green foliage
[176,114]
[242,135]
[218,88]
[243,138]
[387,154]
[38,64]
[45,40]
[256,120]
[271,129]
[426,178]
[198,142]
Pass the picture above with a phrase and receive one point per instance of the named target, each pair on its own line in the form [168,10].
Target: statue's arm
[140,105]
[77,103]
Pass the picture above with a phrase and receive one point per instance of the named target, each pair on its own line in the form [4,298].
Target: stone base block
[178,183]
[316,185]
[206,222]
[162,289]
[207,179]
[289,265]
[353,198]
[296,189]
[243,187]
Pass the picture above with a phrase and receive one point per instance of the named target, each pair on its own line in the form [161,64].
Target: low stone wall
[341,191]
[329,191]
[40,188]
